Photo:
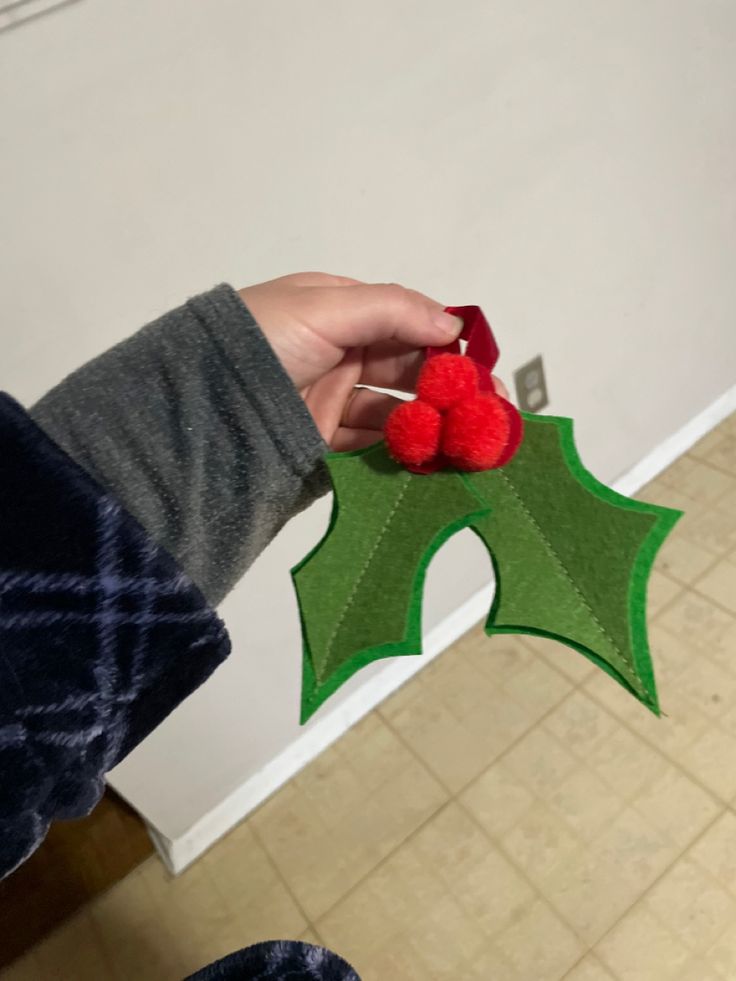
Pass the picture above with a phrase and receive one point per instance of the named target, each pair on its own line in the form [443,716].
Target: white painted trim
[675,445]
[179,853]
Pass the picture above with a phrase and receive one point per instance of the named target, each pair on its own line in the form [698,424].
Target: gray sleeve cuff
[196,427]
[258,374]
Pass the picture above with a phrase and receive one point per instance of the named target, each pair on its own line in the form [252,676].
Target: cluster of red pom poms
[451,422]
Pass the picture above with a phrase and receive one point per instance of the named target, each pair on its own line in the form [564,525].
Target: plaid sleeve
[101,635]
[277,960]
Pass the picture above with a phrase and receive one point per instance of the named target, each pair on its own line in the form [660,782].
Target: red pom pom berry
[447,379]
[412,433]
[476,432]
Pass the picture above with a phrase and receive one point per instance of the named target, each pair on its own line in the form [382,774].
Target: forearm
[193,424]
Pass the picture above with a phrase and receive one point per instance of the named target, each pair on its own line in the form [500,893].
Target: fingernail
[448,323]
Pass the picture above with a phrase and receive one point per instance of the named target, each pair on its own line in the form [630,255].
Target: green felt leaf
[571,557]
[360,588]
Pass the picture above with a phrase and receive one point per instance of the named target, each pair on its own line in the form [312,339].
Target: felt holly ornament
[451,422]
[571,557]
[457,419]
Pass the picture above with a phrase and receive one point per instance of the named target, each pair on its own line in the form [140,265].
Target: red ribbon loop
[481,344]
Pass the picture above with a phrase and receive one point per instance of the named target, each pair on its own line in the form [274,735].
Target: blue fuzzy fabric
[101,635]
[278,960]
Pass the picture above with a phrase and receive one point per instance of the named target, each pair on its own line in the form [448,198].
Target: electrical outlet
[531,386]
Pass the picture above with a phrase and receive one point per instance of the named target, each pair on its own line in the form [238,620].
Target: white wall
[566,164]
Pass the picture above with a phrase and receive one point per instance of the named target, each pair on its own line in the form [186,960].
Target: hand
[333,333]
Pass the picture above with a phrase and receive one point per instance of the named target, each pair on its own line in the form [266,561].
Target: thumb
[356,316]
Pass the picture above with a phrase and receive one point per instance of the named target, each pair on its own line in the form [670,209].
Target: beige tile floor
[509,814]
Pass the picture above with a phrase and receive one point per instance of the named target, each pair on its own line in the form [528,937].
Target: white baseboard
[675,445]
[177,854]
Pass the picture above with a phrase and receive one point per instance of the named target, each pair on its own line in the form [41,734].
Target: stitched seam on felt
[366,566]
[631,676]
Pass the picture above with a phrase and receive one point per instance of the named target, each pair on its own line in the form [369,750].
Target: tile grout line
[454,796]
[662,874]
[704,596]
[684,535]
[502,753]
[312,923]
[703,461]
[456,799]
[680,537]
[579,961]
[523,874]
[451,798]
[280,876]
[675,763]
[87,906]
[697,502]
[385,858]
[706,461]
[692,588]
[627,800]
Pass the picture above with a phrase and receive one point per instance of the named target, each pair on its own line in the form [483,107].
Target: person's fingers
[366,409]
[317,279]
[328,395]
[310,327]
[357,316]
[390,364]
[346,439]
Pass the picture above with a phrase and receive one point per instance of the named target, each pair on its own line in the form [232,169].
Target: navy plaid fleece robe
[132,497]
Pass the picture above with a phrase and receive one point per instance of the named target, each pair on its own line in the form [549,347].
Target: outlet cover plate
[531,386]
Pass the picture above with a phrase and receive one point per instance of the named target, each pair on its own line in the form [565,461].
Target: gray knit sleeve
[195,426]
